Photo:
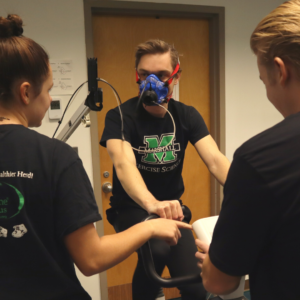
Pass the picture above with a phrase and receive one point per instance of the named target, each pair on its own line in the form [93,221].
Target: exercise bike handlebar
[147,258]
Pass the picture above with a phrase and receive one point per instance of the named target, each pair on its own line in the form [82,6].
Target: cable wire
[119,102]
[209,296]
[160,149]
[60,121]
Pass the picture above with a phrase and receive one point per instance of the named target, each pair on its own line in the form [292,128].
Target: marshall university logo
[159,150]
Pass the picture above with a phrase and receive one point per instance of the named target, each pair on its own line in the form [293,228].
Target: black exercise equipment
[147,258]
[146,254]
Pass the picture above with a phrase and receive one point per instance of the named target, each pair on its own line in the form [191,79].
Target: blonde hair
[278,35]
[155,47]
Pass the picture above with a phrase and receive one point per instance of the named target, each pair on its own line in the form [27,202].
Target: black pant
[179,259]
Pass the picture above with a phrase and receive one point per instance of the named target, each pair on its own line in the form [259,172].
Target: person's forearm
[123,158]
[93,254]
[220,168]
[133,184]
[117,247]
[216,282]
[216,162]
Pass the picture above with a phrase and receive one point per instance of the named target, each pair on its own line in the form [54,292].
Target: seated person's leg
[182,261]
[142,286]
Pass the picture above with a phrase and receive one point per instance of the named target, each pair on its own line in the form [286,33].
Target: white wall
[58,25]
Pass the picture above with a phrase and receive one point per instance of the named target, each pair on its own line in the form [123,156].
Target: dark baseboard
[124,292]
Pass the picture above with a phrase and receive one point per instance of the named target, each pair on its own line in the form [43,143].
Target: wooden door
[115,38]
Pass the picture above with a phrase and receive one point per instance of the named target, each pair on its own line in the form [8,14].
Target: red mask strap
[137,78]
[168,98]
[169,81]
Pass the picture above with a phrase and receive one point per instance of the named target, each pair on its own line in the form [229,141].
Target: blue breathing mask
[153,91]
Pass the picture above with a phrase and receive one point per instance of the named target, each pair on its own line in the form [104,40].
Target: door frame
[216,17]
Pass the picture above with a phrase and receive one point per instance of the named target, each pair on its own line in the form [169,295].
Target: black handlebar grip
[147,259]
[187,214]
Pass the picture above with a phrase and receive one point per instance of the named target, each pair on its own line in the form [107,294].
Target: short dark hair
[154,47]
[20,57]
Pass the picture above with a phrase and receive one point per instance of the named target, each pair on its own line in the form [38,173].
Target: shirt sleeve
[113,127]
[75,204]
[197,126]
[245,221]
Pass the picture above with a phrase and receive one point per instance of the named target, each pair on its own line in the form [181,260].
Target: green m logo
[159,151]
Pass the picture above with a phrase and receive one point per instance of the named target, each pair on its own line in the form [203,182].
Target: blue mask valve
[153,90]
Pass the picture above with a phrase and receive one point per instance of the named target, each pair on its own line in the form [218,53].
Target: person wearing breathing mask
[146,138]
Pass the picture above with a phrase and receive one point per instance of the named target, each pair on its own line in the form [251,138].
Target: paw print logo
[3,232]
[19,231]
